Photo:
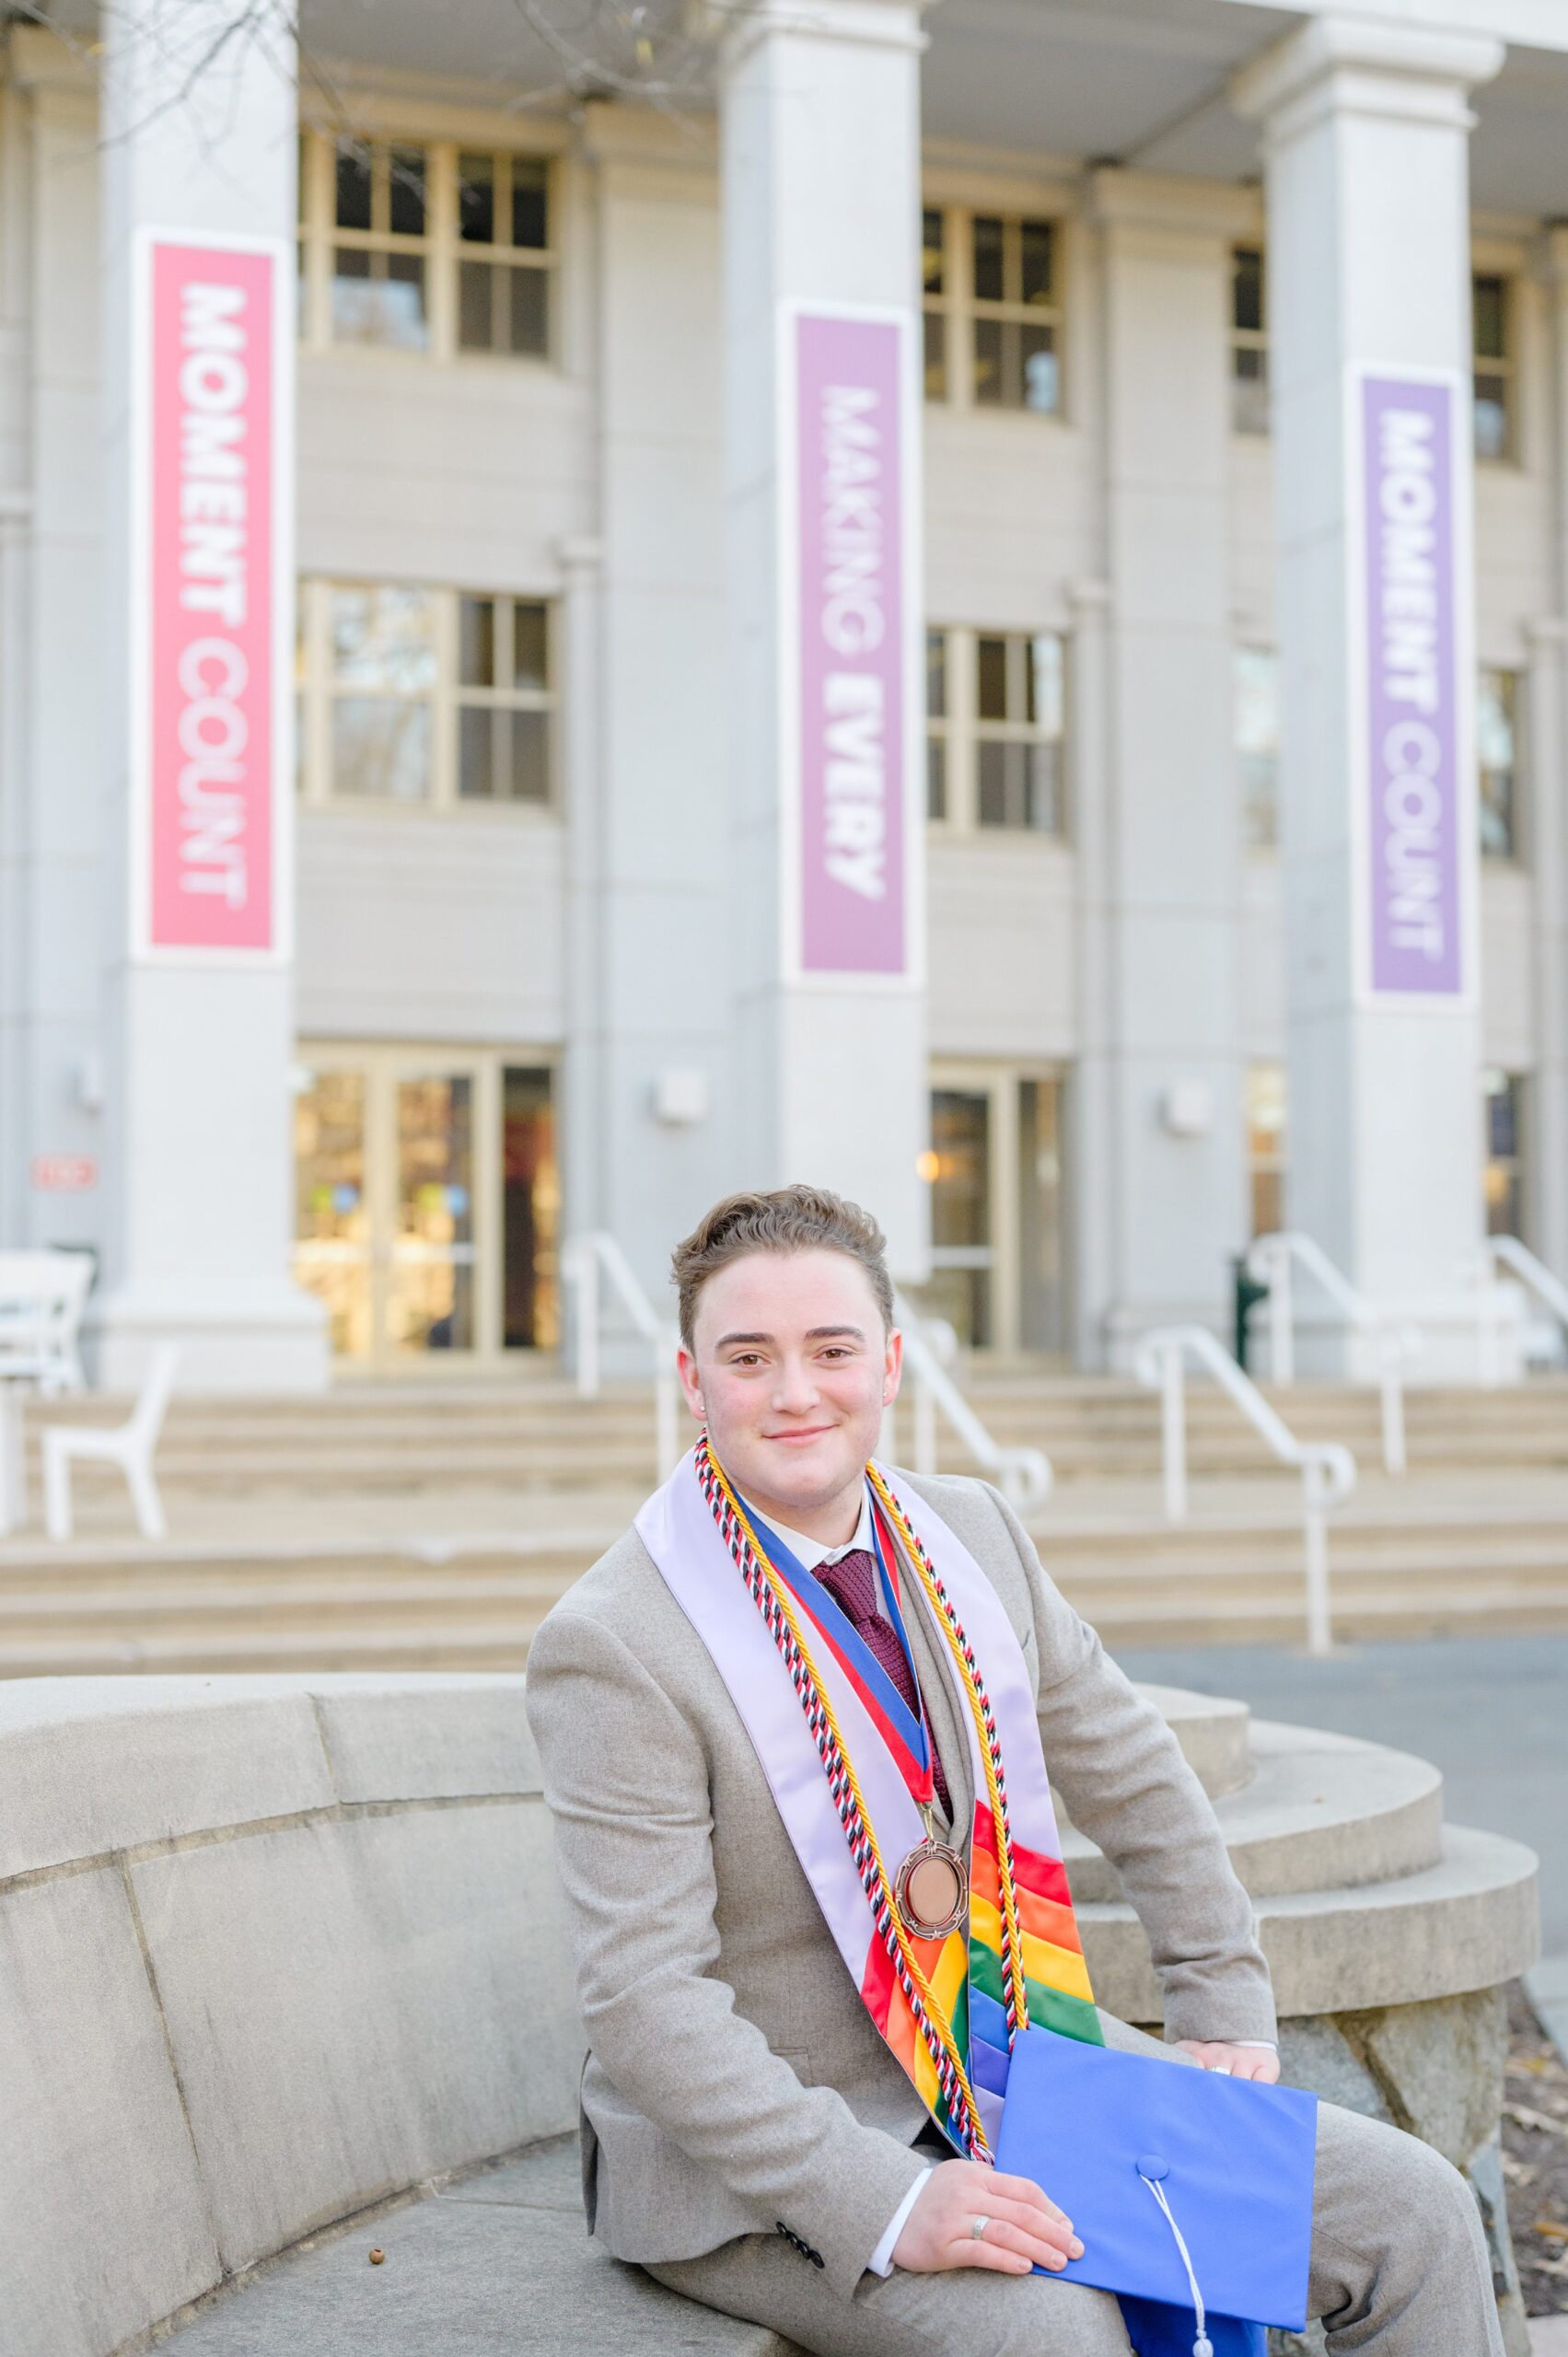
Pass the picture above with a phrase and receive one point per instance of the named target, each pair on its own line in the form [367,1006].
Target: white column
[1161,1068]
[820,172]
[1366,135]
[198,226]
[1546,817]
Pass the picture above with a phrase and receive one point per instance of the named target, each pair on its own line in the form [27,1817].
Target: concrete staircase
[432,1528]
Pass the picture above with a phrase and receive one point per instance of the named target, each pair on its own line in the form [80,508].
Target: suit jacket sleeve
[1127,1785]
[627,1783]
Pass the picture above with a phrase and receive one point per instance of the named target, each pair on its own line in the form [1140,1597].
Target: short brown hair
[790,1219]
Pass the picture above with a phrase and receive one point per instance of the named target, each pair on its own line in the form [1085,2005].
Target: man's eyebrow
[814,1334]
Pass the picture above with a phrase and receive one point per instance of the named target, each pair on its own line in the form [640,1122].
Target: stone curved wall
[275,1948]
[270,1949]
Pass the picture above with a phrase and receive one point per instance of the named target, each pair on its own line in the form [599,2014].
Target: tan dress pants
[1400,2268]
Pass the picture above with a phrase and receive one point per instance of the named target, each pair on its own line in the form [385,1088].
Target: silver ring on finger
[1220,2070]
[977,2232]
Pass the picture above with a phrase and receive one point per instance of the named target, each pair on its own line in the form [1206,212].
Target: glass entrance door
[998,1226]
[427,1202]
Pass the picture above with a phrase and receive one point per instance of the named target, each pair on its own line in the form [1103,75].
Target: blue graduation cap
[1191,2192]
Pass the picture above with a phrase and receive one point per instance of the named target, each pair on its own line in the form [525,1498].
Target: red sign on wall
[63,1174]
[212,598]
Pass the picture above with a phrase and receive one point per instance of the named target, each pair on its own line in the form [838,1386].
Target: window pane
[529,775]
[531,1211]
[992,679]
[1495,758]
[381,747]
[1041,389]
[531,202]
[935,356]
[1257,721]
[935,778]
[476,331]
[1045,694]
[476,642]
[989,389]
[989,281]
[1042,1321]
[476,751]
[406,191]
[932,250]
[1492,417]
[1043,808]
[476,199]
[935,674]
[1002,794]
[383,637]
[430,1306]
[1250,390]
[1247,290]
[331,1241]
[531,646]
[354,188]
[1491,319]
[379,299]
[1035,260]
[529,318]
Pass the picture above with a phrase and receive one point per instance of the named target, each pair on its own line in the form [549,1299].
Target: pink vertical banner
[849,426]
[208,425]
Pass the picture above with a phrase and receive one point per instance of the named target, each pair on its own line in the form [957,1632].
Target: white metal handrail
[585,1260]
[1269,1261]
[1023,1475]
[1508,1252]
[1327,1468]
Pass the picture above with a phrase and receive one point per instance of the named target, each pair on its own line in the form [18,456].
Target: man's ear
[892,1366]
[686,1366]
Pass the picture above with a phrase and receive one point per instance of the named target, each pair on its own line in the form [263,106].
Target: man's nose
[796,1389]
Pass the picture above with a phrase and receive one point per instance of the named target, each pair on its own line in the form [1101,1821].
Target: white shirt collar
[810,1553]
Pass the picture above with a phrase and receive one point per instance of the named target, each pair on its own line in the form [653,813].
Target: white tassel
[1203,2346]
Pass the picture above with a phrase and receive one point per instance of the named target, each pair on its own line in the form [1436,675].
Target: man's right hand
[1024,2228]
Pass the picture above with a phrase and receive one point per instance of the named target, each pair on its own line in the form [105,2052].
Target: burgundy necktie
[852,1583]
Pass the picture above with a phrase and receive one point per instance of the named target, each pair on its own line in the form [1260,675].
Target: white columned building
[1365,134]
[197,232]
[820,172]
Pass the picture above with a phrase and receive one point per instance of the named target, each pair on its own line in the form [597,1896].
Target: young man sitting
[795,1727]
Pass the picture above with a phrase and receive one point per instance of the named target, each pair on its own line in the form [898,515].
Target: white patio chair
[42,1296]
[130,1445]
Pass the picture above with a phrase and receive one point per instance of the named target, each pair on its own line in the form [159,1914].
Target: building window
[936,724]
[1258,744]
[433,698]
[996,730]
[1491,341]
[425,248]
[1249,342]
[1496,744]
[993,310]
[1018,728]
[1504,1175]
[1266,1146]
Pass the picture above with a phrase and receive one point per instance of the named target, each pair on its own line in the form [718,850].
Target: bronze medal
[931,1887]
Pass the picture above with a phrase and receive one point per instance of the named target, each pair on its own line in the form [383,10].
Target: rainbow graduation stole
[827,1742]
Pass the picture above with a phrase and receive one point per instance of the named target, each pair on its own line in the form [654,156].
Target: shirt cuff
[881,2260]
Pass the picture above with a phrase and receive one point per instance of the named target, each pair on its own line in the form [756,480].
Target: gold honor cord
[979,1713]
[939,2019]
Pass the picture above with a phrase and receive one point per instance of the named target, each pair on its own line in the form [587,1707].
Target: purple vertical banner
[850,397]
[1416,808]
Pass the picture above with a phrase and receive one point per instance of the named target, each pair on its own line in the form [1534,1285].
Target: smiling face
[790,1369]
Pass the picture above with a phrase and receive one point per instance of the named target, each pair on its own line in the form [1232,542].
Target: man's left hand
[1241,2061]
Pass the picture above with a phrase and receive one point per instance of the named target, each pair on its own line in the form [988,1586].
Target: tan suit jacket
[735,2084]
